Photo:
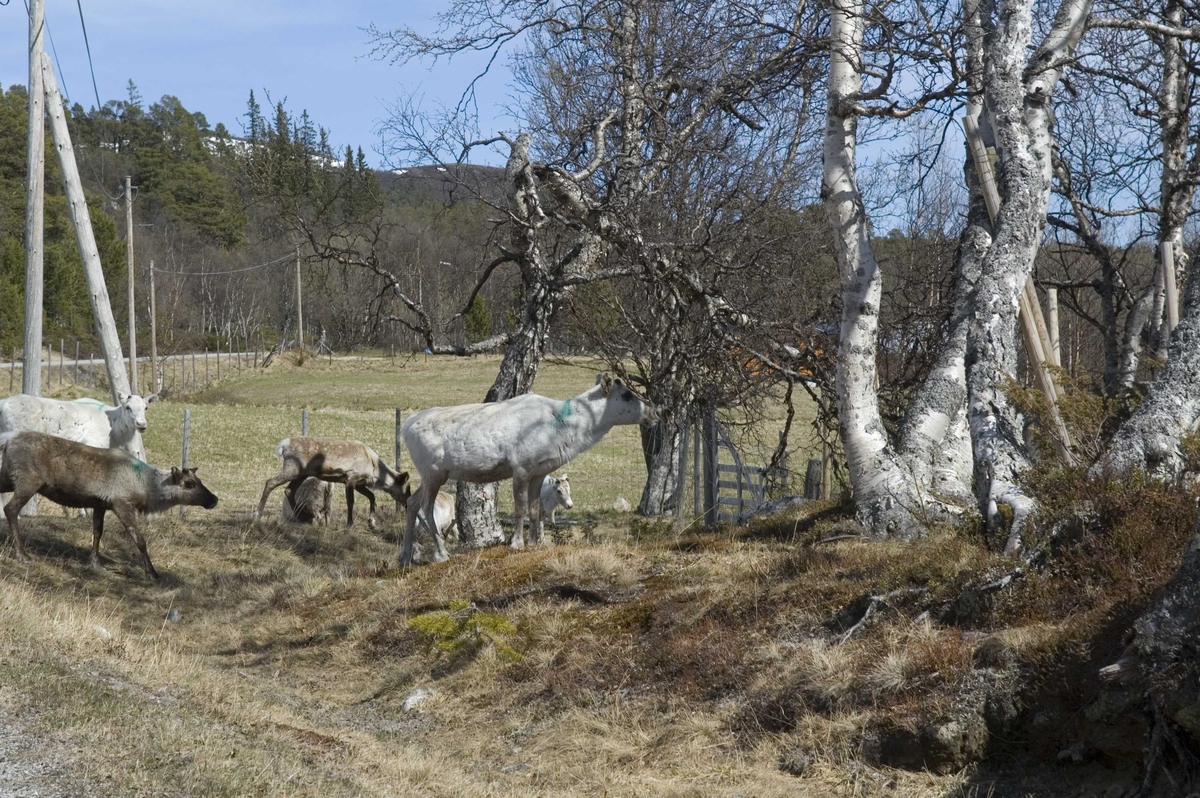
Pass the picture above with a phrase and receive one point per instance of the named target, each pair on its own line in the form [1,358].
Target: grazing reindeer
[524,439]
[556,492]
[76,475]
[351,463]
[310,503]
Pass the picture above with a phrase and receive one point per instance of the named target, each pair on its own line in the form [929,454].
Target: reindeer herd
[87,455]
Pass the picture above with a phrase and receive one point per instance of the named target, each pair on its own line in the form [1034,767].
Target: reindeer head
[562,489]
[624,406]
[133,410]
[190,490]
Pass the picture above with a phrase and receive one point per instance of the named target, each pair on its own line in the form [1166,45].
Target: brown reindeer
[351,463]
[76,475]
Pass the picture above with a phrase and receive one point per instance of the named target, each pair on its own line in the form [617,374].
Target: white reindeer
[556,492]
[524,439]
[87,421]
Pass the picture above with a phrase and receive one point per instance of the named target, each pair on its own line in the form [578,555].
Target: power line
[288,257]
[79,4]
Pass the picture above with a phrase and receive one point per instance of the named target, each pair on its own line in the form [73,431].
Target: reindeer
[76,475]
[351,463]
[524,439]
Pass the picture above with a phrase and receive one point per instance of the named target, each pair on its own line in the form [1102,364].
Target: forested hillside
[195,216]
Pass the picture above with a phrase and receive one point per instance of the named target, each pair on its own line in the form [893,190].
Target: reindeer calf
[351,463]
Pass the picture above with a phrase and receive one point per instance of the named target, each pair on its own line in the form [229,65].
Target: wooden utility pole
[133,375]
[299,303]
[1052,321]
[106,326]
[1034,333]
[31,372]
[155,383]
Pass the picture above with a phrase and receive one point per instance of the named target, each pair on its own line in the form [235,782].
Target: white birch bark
[1018,94]
[1150,438]
[884,491]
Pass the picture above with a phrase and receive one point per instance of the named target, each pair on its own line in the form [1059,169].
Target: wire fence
[177,373]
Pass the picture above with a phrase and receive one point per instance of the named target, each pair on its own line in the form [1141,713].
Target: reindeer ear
[192,471]
[564,478]
[605,381]
[152,398]
[174,472]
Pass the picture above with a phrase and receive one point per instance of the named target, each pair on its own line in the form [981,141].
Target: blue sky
[211,53]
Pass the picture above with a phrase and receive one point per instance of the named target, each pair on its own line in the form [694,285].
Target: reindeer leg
[520,508]
[415,503]
[97,533]
[535,510]
[128,516]
[20,497]
[364,490]
[349,505]
[439,545]
[272,483]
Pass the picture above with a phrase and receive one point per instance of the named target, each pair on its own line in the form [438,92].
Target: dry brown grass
[680,665]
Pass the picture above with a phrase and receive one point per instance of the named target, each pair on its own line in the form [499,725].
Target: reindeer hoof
[372,524]
[97,566]
[517,543]
[22,556]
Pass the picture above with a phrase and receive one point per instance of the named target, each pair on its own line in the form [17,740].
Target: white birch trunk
[1150,438]
[884,491]
[1018,94]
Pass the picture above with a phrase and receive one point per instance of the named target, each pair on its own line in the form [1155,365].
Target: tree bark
[475,504]
[1018,93]
[884,491]
[661,442]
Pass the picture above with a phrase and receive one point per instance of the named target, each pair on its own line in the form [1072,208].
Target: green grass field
[237,422]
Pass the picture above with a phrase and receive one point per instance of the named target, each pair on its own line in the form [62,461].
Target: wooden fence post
[711,456]
[304,422]
[1052,321]
[813,479]
[187,430]
[12,372]
[697,495]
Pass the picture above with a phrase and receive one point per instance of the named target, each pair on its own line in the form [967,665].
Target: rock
[778,506]
[516,768]
[1165,643]
[943,747]
[416,697]
[795,762]
[173,615]
[621,506]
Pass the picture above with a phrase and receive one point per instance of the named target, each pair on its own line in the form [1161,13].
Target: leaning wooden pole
[106,326]
[133,370]
[31,371]
[1034,333]
[1052,322]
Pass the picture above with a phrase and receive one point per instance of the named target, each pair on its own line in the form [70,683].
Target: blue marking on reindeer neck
[138,466]
[564,412]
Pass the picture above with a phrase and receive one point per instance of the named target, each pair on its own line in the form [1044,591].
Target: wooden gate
[733,490]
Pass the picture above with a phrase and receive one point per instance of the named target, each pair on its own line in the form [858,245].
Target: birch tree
[616,96]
